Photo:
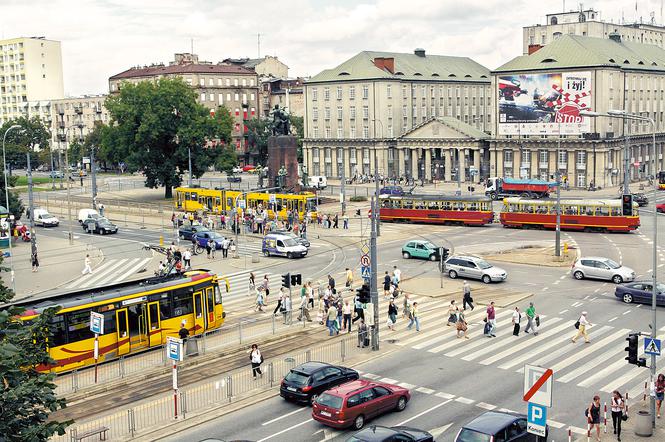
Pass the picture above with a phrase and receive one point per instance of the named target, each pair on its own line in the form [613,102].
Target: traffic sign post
[538,385]
[652,346]
[174,351]
[536,419]
[272,198]
[242,204]
[365,272]
[364,261]
[97,327]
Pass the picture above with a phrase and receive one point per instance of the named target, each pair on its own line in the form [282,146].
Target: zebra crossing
[599,365]
[109,272]
[239,299]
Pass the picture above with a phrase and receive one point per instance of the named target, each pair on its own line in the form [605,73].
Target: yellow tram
[217,201]
[137,315]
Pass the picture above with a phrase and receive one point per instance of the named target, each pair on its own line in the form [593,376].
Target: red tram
[603,215]
[437,209]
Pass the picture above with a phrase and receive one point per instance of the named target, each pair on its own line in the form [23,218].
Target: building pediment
[444,128]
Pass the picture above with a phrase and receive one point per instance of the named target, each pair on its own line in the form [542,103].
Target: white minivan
[45,219]
[317,181]
[282,245]
[87,213]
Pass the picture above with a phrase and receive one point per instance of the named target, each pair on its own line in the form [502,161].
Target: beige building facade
[385,106]
[30,76]
[75,116]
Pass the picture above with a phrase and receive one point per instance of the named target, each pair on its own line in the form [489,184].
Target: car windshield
[330,401]
[215,235]
[429,245]
[46,215]
[296,378]
[290,242]
[484,264]
[103,221]
[467,435]
[612,264]
[311,204]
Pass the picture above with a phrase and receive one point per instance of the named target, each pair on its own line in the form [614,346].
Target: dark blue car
[202,239]
[640,292]
[186,232]
[391,190]
[498,426]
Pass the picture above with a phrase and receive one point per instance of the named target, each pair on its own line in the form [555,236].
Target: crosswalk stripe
[456,342]
[112,276]
[628,376]
[471,345]
[90,280]
[134,269]
[604,357]
[439,334]
[83,278]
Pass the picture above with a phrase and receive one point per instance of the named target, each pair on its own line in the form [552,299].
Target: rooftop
[414,67]
[155,70]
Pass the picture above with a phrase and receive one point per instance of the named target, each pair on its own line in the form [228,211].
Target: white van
[45,219]
[317,181]
[87,213]
[282,245]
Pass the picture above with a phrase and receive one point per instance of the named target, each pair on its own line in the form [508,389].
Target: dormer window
[435,75]
[626,62]
[549,60]
[452,75]
[343,73]
[611,60]
[418,74]
[467,76]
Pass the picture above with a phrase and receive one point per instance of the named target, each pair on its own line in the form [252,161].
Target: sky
[101,38]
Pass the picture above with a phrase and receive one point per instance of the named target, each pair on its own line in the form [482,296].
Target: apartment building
[286,93]
[30,76]
[538,127]
[416,115]
[233,86]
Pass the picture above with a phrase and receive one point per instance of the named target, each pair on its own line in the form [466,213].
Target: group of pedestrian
[391,283]
[532,320]
[329,221]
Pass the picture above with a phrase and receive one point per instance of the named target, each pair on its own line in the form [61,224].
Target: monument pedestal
[283,151]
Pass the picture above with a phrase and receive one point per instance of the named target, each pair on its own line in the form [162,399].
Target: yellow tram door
[199,314]
[154,325]
[210,308]
[122,330]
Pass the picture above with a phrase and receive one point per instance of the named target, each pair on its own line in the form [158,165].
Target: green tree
[32,137]
[153,124]
[75,154]
[226,160]
[27,396]
[258,132]
[298,128]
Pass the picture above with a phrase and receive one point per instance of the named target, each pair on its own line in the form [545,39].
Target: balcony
[543,165]
[525,164]
[580,166]
[563,166]
[508,164]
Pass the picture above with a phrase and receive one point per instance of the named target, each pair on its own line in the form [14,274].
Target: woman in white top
[582,328]
[257,359]
[517,317]
[618,407]
[310,294]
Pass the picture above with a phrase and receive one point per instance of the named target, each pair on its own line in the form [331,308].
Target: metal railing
[217,392]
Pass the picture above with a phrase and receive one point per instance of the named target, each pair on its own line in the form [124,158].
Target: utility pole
[93,172]
[31,210]
[342,195]
[626,158]
[557,242]
[373,290]
[189,152]
[377,206]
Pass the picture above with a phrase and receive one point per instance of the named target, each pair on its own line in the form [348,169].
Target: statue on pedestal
[280,122]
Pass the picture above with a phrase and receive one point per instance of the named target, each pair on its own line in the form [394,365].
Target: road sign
[364,261]
[536,419]
[365,272]
[652,346]
[97,323]
[174,348]
[241,204]
[364,249]
[272,198]
[538,385]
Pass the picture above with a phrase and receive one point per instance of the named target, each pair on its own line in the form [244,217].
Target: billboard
[537,104]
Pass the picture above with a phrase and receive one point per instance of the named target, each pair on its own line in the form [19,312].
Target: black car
[640,292]
[496,425]
[99,225]
[640,199]
[234,179]
[377,433]
[306,381]
[186,232]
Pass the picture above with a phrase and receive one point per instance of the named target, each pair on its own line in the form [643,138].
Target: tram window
[186,196]
[218,296]
[182,302]
[279,204]
[194,196]
[217,201]
[473,206]
[78,325]
[570,210]
[56,326]
[165,308]
[420,204]
[603,211]
[209,300]
[386,204]
[407,204]
[542,209]
[229,203]
[447,206]
[587,210]
[433,205]
[109,322]
[616,211]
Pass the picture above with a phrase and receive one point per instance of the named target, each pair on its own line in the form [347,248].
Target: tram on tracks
[437,209]
[661,180]
[138,315]
[591,215]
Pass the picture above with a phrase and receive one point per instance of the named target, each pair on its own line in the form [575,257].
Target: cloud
[104,37]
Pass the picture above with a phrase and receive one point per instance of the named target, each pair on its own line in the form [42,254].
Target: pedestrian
[345,220]
[187,258]
[256,358]
[286,309]
[406,306]
[491,321]
[194,244]
[517,317]
[336,222]
[87,266]
[310,294]
[304,311]
[414,317]
[530,320]
[593,416]
[331,282]
[618,410]
[259,300]
[467,299]
[183,333]
[397,274]
[660,392]
[363,339]
[173,220]
[581,326]
[453,310]
[303,229]
[462,326]
[266,285]
[346,310]
[349,277]
[252,284]
[213,247]
[101,210]
[35,261]
[209,247]
[392,315]
[280,301]
[225,247]
[386,285]
[332,320]
[358,307]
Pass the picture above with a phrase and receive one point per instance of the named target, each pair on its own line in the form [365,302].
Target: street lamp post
[557,241]
[376,182]
[93,172]
[4,162]
[189,154]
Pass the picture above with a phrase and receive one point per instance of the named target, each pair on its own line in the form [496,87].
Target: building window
[352,92]
[507,156]
[236,96]
[391,132]
[315,132]
[315,113]
[390,112]
[525,157]
[228,82]
[251,97]
[404,92]
[423,111]
[340,132]
[203,96]
[219,82]
[228,97]
[339,92]
[389,92]
[404,114]
[352,131]
[328,132]
[414,111]
[581,159]
[326,93]
[235,82]
[563,159]
[326,113]
[339,112]
[251,82]
[211,97]
[365,112]
[365,91]
[315,94]
[244,82]
[352,155]
[365,131]
[352,112]
[244,98]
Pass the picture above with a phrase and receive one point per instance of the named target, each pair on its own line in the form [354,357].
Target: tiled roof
[407,67]
[152,71]
[573,51]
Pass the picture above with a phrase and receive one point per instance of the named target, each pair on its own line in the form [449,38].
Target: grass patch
[23,180]
[357,199]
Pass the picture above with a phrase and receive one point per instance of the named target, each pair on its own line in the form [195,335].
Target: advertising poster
[538,104]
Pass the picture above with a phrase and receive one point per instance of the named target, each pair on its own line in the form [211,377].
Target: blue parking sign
[536,419]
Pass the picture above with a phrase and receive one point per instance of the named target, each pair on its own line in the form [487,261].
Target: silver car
[596,267]
[472,267]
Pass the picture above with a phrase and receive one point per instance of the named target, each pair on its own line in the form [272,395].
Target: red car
[660,208]
[353,403]
[248,168]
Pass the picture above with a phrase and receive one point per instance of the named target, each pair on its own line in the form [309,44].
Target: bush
[358,199]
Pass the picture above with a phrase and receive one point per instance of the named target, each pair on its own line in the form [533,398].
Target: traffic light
[357,212]
[627,205]
[633,340]
[363,294]
[286,280]
[296,279]
[446,253]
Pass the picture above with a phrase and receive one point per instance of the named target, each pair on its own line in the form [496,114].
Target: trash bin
[255,257]
[643,423]
[192,347]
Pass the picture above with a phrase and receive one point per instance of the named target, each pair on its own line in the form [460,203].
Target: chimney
[615,36]
[534,48]
[420,52]
[385,64]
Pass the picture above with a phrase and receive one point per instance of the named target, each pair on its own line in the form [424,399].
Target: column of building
[447,161]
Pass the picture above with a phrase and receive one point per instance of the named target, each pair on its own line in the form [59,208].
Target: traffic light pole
[373,290]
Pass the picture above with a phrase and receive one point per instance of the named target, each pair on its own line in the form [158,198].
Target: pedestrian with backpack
[592,414]
[467,299]
[581,326]
[530,319]
[256,358]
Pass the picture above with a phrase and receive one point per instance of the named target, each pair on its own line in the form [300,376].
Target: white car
[45,219]
[473,267]
[597,267]
[87,213]
[237,169]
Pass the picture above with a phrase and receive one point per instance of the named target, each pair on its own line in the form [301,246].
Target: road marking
[421,413]
[388,381]
[485,406]
[424,390]
[593,299]
[587,296]
[626,312]
[555,424]
[638,306]
[406,385]
[563,277]
[545,288]
[283,416]
[597,290]
[464,400]
[436,432]
[576,304]
[563,311]
[613,319]
[286,429]
[444,395]
[556,282]
[371,376]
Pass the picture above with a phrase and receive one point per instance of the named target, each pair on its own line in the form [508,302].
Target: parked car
[419,248]
[202,239]
[56,174]
[87,213]
[354,403]
[391,190]
[233,179]
[596,267]
[237,169]
[641,199]
[248,168]
[497,426]
[306,381]
[302,241]
[99,225]
[474,268]
[377,433]
[45,219]
[186,232]
[660,207]
[640,292]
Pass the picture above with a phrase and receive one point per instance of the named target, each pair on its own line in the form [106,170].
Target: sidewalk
[627,429]
[59,263]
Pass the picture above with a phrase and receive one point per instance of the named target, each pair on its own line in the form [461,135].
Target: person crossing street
[414,317]
[582,325]
[531,320]
[467,300]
